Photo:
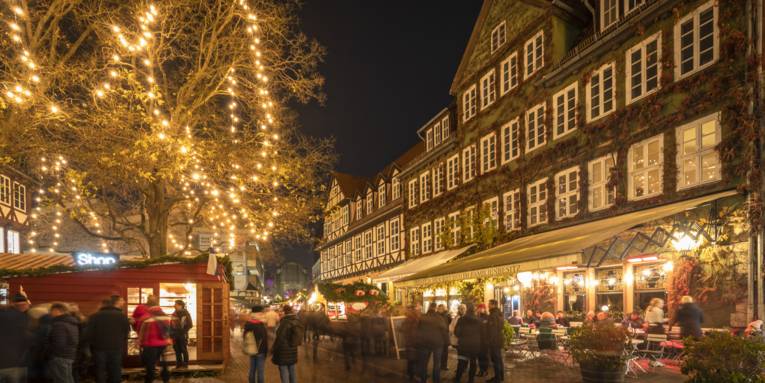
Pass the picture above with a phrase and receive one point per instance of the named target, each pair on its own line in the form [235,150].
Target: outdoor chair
[654,347]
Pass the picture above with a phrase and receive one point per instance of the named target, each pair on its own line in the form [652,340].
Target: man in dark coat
[468,332]
[257,328]
[434,334]
[441,309]
[483,355]
[15,341]
[107,333]
[181,324]
[411,340]
[289,335]
[495,341]
[689,316]
[62,344]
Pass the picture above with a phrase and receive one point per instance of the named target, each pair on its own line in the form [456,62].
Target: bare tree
[146,121]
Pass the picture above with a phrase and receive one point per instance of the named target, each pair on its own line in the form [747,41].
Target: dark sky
[389,66]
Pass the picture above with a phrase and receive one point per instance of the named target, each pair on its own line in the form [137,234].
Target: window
[644,168]
[600,196]
[470,221]
[429,139]
[452,171]
[438,180]
[5,190]
[357,248]
[445,128]
[491,206]
[498,36]
[395,189]
[19,196]
[567,193]
[468,163]
[346,214]
[469,103]
[381,195]
[370,201]
[609,13]
[631,5]
[454,228]
[14,242]
[564,111]
[488,153]
[348,253]
[697,160]
[535,127]
[380,239]
[414,242]
[696,40]
[488,89]
[436,134]
[512,208]
[537,198]
[534,52]
[412,193]
[395,237]
[425,186]
[359,212]
[508,73]
[368,244]
[643,69]
[427,238]
[511,141]
[600,92]
[438,234]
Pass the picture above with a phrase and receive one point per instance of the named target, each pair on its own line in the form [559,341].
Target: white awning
[502,259]
[417,265]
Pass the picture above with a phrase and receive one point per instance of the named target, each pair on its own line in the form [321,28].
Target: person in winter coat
[15,341]
[155,337]
[483,355]
[461,310]
[515,319]
[141,312]
[107,333]
[495,341]
[441,310]
[83,357]
[434,334]
[468,332]
[255,331]
[289,335]
[689,316]
[411,340]
[181,324]
[62,344]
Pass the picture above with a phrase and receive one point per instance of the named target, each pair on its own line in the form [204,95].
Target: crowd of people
[55,343]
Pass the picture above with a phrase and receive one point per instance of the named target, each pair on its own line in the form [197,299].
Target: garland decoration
[355,292]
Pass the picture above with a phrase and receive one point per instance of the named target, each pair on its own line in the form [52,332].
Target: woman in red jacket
[155,337]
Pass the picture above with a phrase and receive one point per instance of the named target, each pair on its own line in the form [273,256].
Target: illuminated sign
[85,259]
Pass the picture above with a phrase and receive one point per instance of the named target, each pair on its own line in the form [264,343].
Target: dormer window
[609,13]
[381,194]
[429,139]
[445,128]
[359,209]
[370,201]
[395,186]
[498,36]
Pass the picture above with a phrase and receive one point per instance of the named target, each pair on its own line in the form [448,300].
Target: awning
[566,241]
[417,265]
[18,262]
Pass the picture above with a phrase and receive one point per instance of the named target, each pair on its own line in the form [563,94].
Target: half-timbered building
[15,209]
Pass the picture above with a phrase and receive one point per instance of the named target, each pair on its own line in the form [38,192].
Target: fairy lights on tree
[146,122]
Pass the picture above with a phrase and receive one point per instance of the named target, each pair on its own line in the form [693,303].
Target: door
[212,315]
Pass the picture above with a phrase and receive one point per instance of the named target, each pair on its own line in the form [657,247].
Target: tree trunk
[158,216]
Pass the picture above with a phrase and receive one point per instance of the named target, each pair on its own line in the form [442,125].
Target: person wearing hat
[181,324]
[15,340]
[255,345]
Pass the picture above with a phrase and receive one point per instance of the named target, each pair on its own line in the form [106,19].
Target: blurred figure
[590,317]
[434,334]
[441,310]
[561,320]
[754,330]
[468,332]
[181,324]
[107,333]
[531,319]
[256,345]
[689,316]
[83,356]
[495,339]
[483,355]
[411,342]
[654,315]
[154,336]
[461,310]
[62,344]
[546,339]
[141,312]
[289,335]
[515,319]
[603,319]
[15,340]
[351,336]
[633,321]
[271,317]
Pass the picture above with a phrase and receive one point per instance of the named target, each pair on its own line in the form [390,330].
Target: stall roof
[417,265]
[560,242]
[33,261]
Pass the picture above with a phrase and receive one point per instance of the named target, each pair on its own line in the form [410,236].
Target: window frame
[631,171]
[488,152]
[628,10]
[426,240]
[602,12]
[395,235]
[429,140]
[601,92]
[628,83]
[696,31]
[568,193]
[469,163]
[395,188]
[19,196]
[493,204]
[601,162]
[438,179]
[469,103]
[514,144]
[567,110]
[508,76]
[439,225]
[437,140]
[6,190]
[452,172]
[369,251]
[413,191]
[541,187]
[700,152]
[538,142]
[488,85]
[381,195]
[514,210]
[425,186]
[380,241]
[536,50]
[358,249]
[455,228]
[500,31]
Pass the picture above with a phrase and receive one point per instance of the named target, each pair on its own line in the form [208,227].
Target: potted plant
[722,357]
[600,352]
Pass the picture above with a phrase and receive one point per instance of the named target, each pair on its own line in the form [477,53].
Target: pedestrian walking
[483,355]
[468,332]
[255,344]
[689,316]
[271,317]
[107,333]
[441,310]
[495,341]
[181,324]
[15,340]
[434,334]
[154,338]
[62,344]
[411,341]
[83,357]
[289,335]
[351,334]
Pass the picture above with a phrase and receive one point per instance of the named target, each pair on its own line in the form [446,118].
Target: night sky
[388,70]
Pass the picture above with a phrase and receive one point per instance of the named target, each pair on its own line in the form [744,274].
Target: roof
[559,242]
[34,261]
[349,184]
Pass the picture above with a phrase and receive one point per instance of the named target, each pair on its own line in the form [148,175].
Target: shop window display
[610,289]
[650,282]
[574,292]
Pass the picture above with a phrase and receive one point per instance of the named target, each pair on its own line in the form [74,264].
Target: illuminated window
[508,73]
[512,209]
[535,127]
[567,193]
[536,194]
[698,161]
[645,167]
[534,52]
[600,195]
[469,103]
[488,153]
[488,89]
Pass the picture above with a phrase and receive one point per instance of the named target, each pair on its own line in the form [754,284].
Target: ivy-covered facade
[567,113]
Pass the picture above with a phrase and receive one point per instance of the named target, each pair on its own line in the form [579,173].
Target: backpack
[251,345]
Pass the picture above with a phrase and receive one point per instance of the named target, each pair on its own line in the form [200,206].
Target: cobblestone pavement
[328,367]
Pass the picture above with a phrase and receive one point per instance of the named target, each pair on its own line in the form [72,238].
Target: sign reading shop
[95,260]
